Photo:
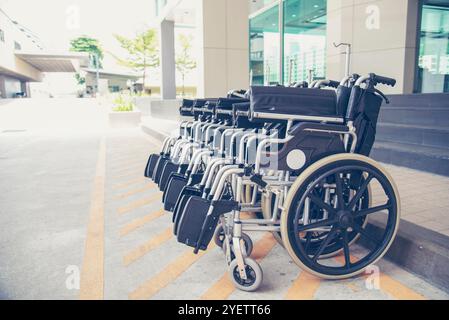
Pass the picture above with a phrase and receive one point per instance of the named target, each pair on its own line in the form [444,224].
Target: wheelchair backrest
[363,110]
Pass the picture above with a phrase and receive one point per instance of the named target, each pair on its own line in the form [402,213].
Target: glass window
[256,5]
[433,63]
[304,39]
[264,46]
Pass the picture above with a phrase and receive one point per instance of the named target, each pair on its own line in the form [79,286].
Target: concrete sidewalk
[422,244]
[144,260]
[78,207]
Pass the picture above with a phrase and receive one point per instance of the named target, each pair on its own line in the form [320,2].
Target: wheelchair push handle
[372,80]
[333,84]
[327,83]
[383,80]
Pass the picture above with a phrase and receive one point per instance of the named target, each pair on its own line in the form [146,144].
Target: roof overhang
[51,62]
[107,73]
[182,12]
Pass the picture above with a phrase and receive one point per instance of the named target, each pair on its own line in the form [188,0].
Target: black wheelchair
[297,157]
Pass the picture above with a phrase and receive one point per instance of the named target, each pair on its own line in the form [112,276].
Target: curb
[154,133]
[416,249]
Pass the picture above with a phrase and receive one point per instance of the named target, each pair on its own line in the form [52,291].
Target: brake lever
[387,101]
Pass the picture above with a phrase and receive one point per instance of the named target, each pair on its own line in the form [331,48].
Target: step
[438,117]
[423,101]
[428,159]
[413,134]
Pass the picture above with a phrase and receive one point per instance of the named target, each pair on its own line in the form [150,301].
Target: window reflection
[304,39]
[304,42]
[264,47]
[433,64]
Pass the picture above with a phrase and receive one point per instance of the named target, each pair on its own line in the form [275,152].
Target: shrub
[123,105]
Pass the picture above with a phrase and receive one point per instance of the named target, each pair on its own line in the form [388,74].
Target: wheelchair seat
[278,101]
[186,108]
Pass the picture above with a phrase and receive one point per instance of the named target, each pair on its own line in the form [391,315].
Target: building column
[167,55]
[383,37]
[2,87]
[223,37]
[25,87]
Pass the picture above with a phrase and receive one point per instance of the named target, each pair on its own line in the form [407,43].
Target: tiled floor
[424,198]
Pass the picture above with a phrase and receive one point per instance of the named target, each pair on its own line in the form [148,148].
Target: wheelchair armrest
[317,126]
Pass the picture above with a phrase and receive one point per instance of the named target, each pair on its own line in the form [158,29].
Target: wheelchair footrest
[199,220]
[186,193]
[169,168]
[151,164]
[157,172]
[174,188]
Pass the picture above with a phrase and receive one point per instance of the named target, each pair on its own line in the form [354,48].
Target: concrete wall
[383,36]
[8,60]
[223,34]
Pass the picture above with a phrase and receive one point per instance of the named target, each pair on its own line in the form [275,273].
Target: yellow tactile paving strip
[143,249]
[147,187]
[170,273]
[92,273]
[134,193]
[304,287]
[139,222]
[393,287]
[139,203]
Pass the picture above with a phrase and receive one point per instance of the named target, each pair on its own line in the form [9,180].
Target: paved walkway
[80,221]
[424,198]
[144,261]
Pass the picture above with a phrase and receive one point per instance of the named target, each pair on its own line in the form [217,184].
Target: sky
[56,22]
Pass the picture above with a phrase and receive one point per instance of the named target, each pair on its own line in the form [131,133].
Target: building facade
[14,72]
[266,42]
[23,59]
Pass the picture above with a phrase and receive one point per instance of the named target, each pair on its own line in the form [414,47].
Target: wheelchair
[297,157]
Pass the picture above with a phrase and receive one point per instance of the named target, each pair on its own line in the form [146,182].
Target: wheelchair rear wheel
[350,178]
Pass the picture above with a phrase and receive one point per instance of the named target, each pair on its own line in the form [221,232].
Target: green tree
[184,61]
[143,52]
[91,46]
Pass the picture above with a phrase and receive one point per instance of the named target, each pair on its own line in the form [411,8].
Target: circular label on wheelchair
[296,159]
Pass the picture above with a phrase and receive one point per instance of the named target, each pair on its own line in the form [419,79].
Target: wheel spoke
[320,203]
[368,211]
[308,240]
[339,191]
[315,225]
[346,250]
[325,243]
[360,192]
[365,234]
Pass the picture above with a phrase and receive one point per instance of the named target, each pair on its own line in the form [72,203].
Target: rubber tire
[218,232]
[258,275]
[267,214]
[297,185]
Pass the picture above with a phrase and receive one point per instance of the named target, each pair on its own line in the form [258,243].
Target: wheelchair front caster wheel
[219,236]
[247,245]
[254,275]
